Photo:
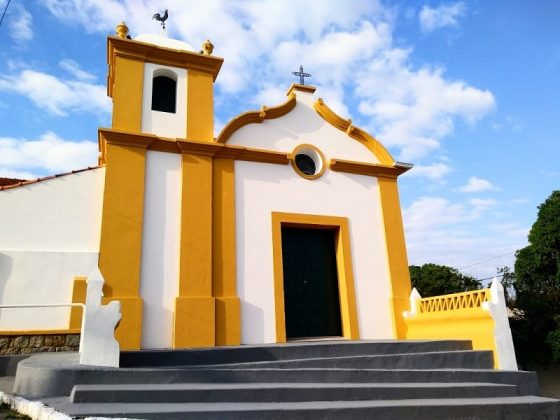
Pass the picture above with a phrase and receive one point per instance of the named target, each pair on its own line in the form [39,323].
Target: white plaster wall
[264,188]
[164,124]
[59,214]
[159,275]
[302,125]
[49,233]
[40,277]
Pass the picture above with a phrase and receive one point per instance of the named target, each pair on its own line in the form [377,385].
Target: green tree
[508,282]
[536,326]
[434,279]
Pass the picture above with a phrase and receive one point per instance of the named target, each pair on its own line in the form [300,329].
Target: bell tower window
[164,93]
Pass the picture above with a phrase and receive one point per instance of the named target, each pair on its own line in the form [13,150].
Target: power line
[489,259]
[4,14]
[490,278]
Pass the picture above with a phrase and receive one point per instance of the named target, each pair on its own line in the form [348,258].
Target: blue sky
[468,91]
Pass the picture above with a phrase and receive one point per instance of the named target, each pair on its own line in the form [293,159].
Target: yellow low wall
[457,316]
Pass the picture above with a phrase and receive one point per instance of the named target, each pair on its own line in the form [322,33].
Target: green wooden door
[311,300]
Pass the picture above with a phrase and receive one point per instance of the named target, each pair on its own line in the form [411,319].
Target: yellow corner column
[396,252]
[228,312]
[121,237]
[123,202]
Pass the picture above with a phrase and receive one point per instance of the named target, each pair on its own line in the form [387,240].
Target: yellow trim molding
[356,133]
[301,149]
[370,169]
[346,289]
[202,148]
[397,261]
[224,289]
[256,117]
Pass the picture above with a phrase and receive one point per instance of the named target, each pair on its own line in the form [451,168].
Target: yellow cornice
[351,130]
[369,169]
[256,117]
[303,88]
[163,144]
[136,50]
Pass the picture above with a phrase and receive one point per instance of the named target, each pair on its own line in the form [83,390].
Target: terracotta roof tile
[21,182]
[10,181]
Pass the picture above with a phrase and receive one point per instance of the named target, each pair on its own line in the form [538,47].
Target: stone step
[285,392]
[271,352]
[52,374]
[428,360]
[511,408]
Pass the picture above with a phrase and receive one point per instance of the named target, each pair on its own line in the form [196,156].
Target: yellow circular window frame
[315,154]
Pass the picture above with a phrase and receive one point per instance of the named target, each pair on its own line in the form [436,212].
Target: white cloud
[434,171]
[20,24]
[440,17]
[456,234]
[416,109]
[349,51]
[49,154]
[475,184]
[75,70]
[58,96]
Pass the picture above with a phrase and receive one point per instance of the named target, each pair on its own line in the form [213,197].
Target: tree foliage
[536,328]
[434,279]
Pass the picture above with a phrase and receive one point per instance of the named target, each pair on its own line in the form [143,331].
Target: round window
[305,164]
[308,161]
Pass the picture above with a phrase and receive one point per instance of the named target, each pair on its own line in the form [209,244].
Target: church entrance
[311,296]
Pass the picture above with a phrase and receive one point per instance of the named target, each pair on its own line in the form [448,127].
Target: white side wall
[49,233]
[164,124]
[39,277]
[159,275]
[264,188]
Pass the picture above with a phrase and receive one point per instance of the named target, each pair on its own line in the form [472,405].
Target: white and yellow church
[285,226]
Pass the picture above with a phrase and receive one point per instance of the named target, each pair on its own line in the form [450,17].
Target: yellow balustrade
[458,316]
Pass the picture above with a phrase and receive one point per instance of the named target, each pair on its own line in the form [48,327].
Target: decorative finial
[301,75]
[207,48]
[161,18]
[122,30]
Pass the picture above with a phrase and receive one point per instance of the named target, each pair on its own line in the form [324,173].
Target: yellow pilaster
[121,236]
[200,106]
[228,312]
[78,296]
[127,94]
[396,252]
[194,324]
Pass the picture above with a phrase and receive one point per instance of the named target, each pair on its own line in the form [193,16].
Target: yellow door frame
[348,312]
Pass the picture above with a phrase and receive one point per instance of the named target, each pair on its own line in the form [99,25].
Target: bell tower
[162,91]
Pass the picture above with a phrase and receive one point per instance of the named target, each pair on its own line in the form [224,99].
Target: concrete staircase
[323,379]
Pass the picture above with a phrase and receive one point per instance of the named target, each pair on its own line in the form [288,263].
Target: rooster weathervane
[161,18]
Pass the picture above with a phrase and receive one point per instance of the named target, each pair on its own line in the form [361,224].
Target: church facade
[285,226]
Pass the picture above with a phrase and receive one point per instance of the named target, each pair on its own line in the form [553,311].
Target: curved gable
[304,120]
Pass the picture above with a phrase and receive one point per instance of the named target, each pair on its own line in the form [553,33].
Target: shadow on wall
[253,330]
[6,263]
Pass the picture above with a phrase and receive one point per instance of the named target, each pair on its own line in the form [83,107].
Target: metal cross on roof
[301,75]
